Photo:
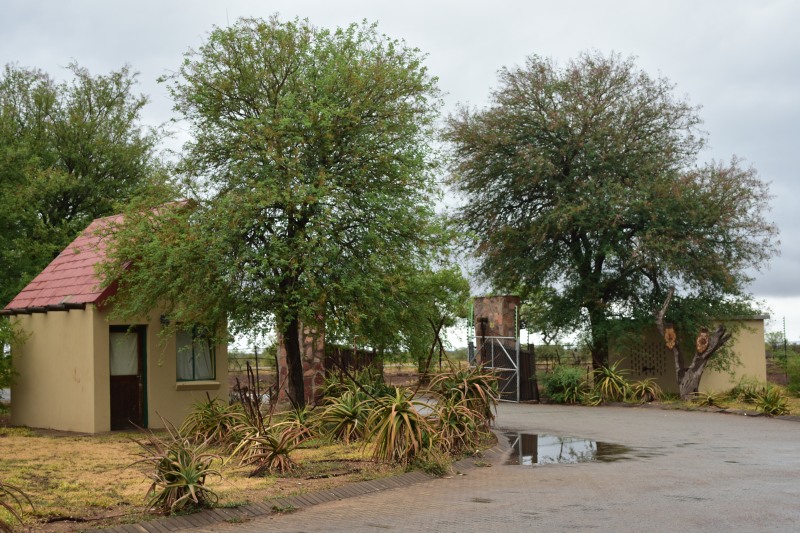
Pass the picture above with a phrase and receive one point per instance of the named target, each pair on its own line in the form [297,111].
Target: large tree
[309,173]
[584,191]
[69,152]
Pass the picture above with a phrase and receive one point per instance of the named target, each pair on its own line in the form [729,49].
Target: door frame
[141,339]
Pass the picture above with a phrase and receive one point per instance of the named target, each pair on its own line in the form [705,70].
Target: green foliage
[12,500]
[366,382]
[7,336]
[610,383]
[772,401]
[345,416]
[646,390]
[310,172]
[213,420]
[793,374]
[565,384]
[708,398]
[180,466]
[268,448]
[748,390]
[475,386]
[433,461]
[397,430]
[599,203]
[69,153]
[458,426]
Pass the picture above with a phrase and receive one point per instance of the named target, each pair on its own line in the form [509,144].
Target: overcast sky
[739,60]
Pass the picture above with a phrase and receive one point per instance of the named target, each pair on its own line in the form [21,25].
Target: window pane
[124,353]
[184,356]
[203,359]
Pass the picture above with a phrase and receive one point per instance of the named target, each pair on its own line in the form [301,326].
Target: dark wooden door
[127,365]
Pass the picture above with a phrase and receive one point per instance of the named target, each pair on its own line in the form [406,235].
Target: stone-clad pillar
[312,355]
[495,316]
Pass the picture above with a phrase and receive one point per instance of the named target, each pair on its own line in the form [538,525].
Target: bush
[398,430]
[708,399]
[12,499]
[771,401]
[793,374]
[180,468]
[565,384]
[646,390]
[345,417]
[213,420]
[458,426]
[268,448]
[610,383]
[475,385]
[747,390]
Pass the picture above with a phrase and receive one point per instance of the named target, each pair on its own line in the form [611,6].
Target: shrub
[771,401]
[475,385]
[565,384]
[793,375]
[268,448]
[458,426]
[646,390]
[708,398]
[345,417]
[12,499]
[747,390]
[610,383]
[180,468]
[214,421]
[397,429]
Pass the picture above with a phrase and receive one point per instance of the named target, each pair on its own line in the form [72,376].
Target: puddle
[531,449]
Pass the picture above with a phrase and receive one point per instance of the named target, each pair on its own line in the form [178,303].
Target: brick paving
[685,470]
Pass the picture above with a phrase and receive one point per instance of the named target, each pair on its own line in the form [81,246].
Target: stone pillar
[312,355]
[495,316]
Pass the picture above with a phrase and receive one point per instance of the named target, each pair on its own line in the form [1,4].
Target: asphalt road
[682,471]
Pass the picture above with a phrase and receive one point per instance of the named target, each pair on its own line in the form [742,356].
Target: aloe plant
[771,401]
[12,499]
[459,427]
[268,448]
[475,385]
[345,417]
[610,382]
[646,390]
[213,420]
[180,467]
[397,429]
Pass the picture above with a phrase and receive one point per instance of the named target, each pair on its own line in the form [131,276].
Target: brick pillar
[494,317]
[312,355]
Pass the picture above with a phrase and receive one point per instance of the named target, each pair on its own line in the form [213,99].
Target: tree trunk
[294,363]
[689,377]
[599,347]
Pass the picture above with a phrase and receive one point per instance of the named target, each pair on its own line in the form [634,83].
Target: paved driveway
[686,472]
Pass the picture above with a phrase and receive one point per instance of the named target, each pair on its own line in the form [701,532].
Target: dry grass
[88,478]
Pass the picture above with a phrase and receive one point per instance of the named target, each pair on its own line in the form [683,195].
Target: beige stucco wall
[56,382]
[63,373]
[649,358]
[166,397]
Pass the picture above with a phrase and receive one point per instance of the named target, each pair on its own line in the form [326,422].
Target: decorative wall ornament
[702,340]
[669,336]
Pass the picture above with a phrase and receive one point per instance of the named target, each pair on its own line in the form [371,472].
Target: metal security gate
[501,356]
[514,367]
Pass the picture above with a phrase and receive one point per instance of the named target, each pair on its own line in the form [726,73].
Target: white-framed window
[195,355]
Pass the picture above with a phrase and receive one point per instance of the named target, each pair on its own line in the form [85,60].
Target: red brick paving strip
[245,512]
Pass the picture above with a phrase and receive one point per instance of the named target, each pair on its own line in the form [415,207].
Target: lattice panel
[648,358]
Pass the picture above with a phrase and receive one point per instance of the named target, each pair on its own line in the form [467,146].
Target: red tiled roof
[70,278]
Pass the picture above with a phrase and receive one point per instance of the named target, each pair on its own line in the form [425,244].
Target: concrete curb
[247,512]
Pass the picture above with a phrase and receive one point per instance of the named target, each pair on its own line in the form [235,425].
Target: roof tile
[70,276]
